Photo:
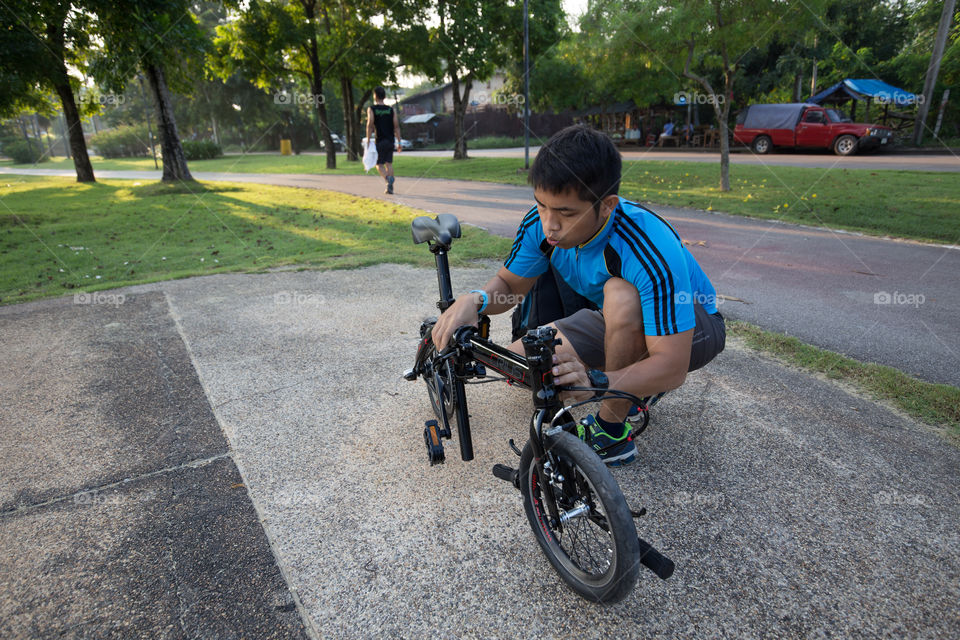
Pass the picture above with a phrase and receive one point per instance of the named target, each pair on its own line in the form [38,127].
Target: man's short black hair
[380,92]
[580,158]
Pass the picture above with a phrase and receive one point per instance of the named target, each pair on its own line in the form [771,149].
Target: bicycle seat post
[443,276]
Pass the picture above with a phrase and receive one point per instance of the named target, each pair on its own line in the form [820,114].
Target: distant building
[488,93]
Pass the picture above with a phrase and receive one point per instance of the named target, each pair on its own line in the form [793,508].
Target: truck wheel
[761,145]
[845,146]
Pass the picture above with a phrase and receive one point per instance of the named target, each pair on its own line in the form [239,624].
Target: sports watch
[598,379]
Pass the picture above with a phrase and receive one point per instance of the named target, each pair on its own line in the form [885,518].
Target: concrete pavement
[792,507]
[122,512]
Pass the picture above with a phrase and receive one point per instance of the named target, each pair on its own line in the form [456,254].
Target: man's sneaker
[389,185]
[615,451]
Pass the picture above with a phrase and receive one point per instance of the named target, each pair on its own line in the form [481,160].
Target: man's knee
[621,305]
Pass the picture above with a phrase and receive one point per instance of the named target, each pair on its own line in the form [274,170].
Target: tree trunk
[722,116]
[797,87]
[946,19]
[61,84]
[23,129]
[459,109]
[316,84]
[174,160]
[351,128]
[78,146]
[358,110]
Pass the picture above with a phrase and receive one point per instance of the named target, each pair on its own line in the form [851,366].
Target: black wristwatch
[598,379]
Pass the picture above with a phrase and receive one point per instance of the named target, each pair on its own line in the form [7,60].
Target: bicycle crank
[432,434]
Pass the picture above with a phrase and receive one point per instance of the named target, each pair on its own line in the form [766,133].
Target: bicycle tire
[587,481]
[446,392]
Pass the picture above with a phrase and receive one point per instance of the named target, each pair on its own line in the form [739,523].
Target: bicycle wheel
[440,386]
[596,550]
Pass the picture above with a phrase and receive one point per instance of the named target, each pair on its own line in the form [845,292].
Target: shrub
[201,149]
[122,142]
[23,152]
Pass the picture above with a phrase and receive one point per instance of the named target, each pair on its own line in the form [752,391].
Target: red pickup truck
[765,126]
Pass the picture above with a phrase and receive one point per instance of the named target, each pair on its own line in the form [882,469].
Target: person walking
[383,119]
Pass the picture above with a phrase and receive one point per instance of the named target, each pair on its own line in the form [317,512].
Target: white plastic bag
[370,155]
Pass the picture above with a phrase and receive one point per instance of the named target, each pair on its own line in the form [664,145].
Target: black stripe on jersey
[660,276]
[657,216]
[612,259]
[668,282]
[531,218]
[657,290]
[546,248]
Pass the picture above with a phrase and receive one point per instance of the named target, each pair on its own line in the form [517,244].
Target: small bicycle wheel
[595,549]
[440,386]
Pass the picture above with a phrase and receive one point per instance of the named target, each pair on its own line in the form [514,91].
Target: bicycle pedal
[508,474]
[431,437]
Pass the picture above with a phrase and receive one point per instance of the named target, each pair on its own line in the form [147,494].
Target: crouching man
[657,315]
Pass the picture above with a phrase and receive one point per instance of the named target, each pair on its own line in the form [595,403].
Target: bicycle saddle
[442,229]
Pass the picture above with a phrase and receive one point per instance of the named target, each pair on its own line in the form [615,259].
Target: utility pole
[946,17]
[526,87]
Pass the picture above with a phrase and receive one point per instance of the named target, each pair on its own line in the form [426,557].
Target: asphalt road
[946,160]
[874,299]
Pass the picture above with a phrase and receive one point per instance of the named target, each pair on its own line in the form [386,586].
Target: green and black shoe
[616,450]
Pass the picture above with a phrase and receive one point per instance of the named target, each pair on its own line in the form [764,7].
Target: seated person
[686,132]
[658,317]
[667,129]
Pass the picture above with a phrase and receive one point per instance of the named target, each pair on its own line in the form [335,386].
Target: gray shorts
[585,330]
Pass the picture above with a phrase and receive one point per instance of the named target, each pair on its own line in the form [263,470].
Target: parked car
[765,126]
[405,144]
[338,143]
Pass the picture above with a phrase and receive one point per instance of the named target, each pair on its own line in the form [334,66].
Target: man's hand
[568,371]
[460,313]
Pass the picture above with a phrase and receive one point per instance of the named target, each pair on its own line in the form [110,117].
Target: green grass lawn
[57,236]
[937,404]
[905,204]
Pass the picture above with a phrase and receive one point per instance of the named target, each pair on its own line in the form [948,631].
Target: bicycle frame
[471,352]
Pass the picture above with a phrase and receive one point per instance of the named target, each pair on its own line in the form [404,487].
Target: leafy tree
[38,40]
[467,42]
[162,39]
[703,41]
[278,44]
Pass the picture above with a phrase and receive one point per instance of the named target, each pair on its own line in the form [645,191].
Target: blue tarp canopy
[865,89]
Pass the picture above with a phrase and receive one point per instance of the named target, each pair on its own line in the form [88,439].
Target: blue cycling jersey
[634,244]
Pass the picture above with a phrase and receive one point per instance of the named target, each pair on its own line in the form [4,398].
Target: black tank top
[383,121]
